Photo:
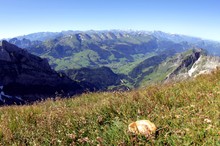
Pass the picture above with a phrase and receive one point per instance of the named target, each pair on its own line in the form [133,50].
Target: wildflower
[72,136]
[59,141]
[209,127]
[207,120]
[177,116]
[99,139]
[83,140]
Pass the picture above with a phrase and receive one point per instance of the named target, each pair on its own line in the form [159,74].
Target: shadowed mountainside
[30,77]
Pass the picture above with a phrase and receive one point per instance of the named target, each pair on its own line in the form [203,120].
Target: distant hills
[103,60]
[115,49]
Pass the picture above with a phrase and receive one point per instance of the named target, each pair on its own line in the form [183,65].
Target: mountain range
[114,49]
[82,61]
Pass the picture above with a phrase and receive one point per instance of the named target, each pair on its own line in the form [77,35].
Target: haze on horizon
[199,18]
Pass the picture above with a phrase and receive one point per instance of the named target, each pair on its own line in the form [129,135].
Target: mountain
[165,67]
[130,59]
[141,73]
[102,78]
[173,66]
[175,37]
[40,36]
[212,47]
[43,36]
[192,64]
[97,61]
[113,49]
[30,77]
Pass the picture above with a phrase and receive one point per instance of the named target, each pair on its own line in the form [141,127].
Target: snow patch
[192,70]
[194,67]
[3,95]
[1,98]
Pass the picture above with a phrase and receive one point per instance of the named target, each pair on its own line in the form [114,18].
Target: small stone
[177,116]
[209,127]
[143,127]
[207,120]
[72,136]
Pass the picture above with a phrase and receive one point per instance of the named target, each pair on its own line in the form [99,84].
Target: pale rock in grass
[142,127]
[207,120]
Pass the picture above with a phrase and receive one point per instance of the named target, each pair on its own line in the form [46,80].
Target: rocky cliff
[191,64]
[30,77]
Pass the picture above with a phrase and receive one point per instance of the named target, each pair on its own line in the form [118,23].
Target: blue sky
[199,18]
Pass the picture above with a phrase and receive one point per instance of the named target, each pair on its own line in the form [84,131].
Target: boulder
[142,127]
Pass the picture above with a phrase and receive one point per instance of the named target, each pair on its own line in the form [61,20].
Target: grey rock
[23,74]
[4,55]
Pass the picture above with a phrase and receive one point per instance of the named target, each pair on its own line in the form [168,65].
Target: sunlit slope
[186,113]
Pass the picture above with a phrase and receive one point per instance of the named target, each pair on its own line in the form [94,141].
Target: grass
[186,113]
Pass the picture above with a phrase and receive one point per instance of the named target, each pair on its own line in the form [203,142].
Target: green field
[186,113]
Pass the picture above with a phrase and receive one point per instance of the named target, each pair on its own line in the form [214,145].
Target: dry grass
[186,113]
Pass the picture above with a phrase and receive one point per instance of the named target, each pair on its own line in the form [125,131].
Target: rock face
[191,64]
[29,76]
[184,64]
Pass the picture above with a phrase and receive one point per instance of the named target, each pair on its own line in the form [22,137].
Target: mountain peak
[9,47]
[3,42]
[4,54]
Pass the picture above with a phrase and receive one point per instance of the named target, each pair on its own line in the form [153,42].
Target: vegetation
[186,113]
[142,58]
[75,50]
[98,78]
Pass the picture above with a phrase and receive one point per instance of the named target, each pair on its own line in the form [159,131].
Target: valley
[137,58]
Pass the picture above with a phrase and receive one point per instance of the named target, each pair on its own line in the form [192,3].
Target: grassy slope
[181,111]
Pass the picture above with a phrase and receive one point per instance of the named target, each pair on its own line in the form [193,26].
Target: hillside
[164,67]
[186,113]
[25,77]
[102,78]
[28,78]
